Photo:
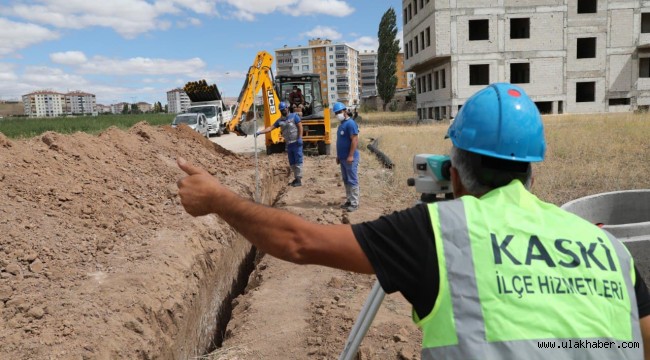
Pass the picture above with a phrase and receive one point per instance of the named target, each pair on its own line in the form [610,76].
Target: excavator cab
[309,85]
[315,116]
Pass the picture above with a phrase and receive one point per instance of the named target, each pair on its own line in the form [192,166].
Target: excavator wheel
[324,149]
[274,148]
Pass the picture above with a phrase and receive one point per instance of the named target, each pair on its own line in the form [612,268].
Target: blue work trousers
[294,151]
[349,172]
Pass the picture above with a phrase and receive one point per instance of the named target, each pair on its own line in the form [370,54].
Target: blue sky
[137,50]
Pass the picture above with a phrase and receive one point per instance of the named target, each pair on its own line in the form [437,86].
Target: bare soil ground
[98,260]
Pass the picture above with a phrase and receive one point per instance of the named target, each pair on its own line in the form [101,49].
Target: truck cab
[217,117]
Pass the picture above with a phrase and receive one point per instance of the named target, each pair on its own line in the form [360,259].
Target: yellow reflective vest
[521,278]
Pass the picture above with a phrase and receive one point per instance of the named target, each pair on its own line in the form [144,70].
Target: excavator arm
[260,77]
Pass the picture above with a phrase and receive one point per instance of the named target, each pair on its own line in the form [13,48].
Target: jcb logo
[271,99]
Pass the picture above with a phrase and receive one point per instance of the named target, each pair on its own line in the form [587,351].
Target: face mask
[340,116]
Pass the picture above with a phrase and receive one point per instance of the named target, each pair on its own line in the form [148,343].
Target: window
[586,91]
[419,85]
[406,50]
[405,19]
[305,68]
[436,80]
[587,6]
[331,56]
[331,80]
[520,73]
[305,60]
[479,29]
[331,72]
[520,28]
[415,7]
[645,22]
[644,67]
[417,48]
[409,12]
[411,48]
[295,61]
[333,88]
[586,48]
[443,79]
[303,52]
[421,4]
[429,82]
[428,32]
[619,101]
[544,107]
[479,74]
[422,40]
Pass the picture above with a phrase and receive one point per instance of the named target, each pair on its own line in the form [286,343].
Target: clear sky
[137,50]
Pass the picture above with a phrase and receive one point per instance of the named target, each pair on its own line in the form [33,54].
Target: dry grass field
[586,154]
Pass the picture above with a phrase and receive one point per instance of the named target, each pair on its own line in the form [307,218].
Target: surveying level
[432,176]
[431,179]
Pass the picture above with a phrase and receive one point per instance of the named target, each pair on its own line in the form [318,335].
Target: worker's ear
[456,184]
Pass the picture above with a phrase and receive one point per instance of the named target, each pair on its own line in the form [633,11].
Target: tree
[134,109]
[125,109]
[412,94]
[387,57]
[166,108]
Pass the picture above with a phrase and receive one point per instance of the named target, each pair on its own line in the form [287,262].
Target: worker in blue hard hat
[347,155]
[291,128]
[494,274]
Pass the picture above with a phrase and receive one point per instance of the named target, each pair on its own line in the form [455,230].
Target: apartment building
[177,101]
[47,103]
[103,109]
[144,107]
[80,103]
[368,73]
[336,63]
[570,56]
[119,107]
[44,104]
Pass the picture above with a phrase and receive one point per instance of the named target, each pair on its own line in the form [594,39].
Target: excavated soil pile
[98,260]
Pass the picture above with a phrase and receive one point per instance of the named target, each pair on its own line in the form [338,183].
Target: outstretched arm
[276,232]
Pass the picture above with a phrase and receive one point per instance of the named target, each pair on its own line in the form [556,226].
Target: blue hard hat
[283,105]
[500,121]
[338,106]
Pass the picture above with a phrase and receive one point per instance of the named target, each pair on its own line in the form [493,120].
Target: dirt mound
[98,260]
[97,257]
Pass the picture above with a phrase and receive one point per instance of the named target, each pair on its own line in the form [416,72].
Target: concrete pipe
[624,214]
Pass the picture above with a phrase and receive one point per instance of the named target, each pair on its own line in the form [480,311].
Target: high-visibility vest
[519,276]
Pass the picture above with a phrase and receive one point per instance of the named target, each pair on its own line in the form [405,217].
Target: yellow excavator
[316,116]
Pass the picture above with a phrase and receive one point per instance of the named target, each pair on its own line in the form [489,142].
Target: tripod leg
[361,326]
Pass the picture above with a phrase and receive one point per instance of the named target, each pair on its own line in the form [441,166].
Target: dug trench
[98,259]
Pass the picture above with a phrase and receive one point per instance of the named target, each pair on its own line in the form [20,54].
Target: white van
[196,121]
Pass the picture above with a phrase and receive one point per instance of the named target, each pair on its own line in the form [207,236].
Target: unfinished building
[570,56]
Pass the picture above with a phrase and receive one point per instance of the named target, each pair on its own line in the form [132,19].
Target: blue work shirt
[347,128]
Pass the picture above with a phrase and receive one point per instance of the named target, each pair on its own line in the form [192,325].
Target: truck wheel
[219,131]
[324,149]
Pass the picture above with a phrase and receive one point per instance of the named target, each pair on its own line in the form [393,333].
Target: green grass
[26,127]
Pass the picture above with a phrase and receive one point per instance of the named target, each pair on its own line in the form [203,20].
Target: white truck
[215,112]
